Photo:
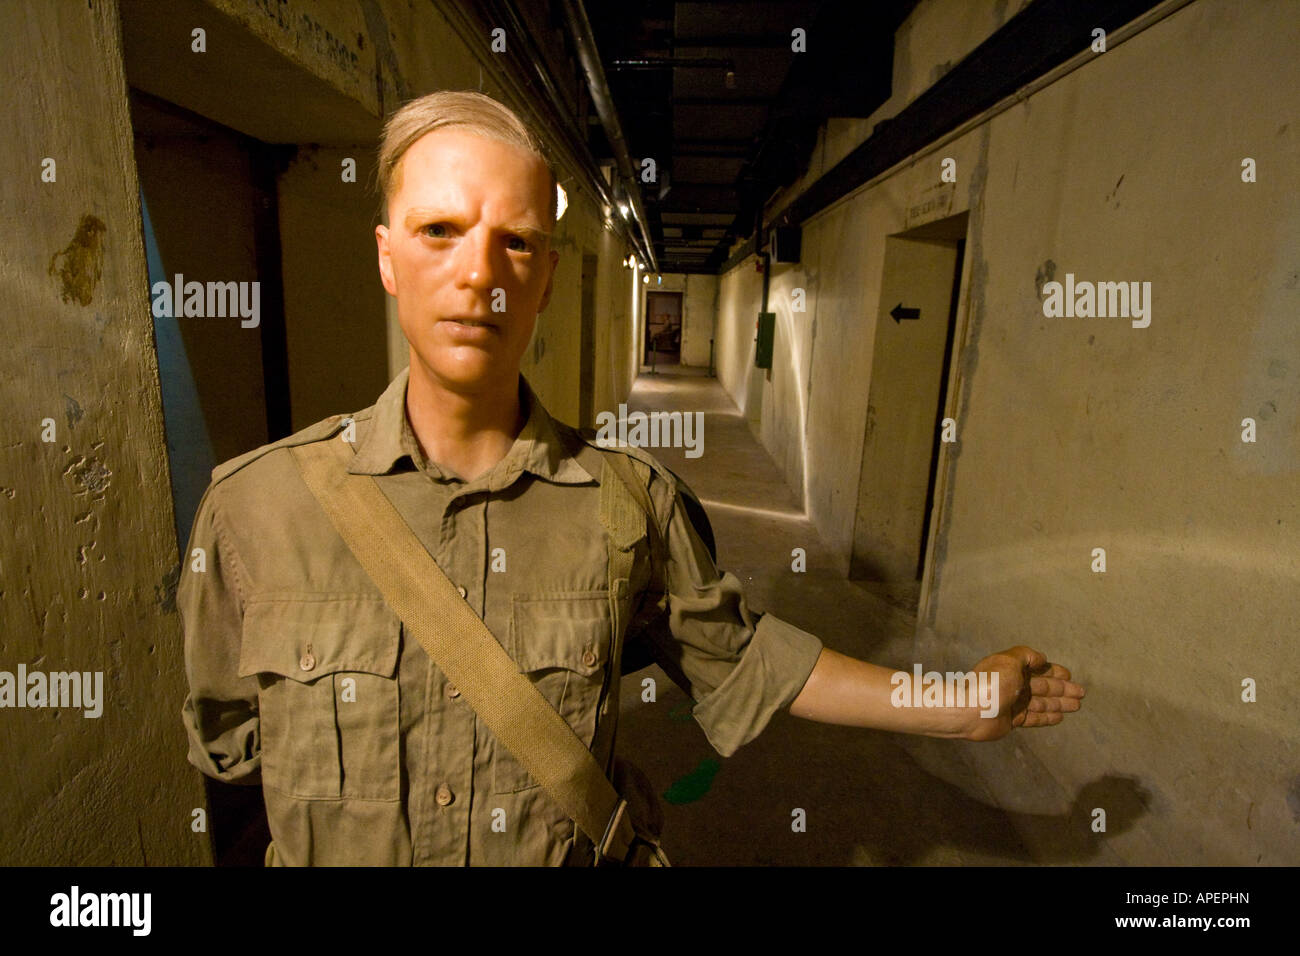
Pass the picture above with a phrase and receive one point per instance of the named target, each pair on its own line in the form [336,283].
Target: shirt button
[452,692]
[307,662]
[461,591]
[444,796]
[589,658]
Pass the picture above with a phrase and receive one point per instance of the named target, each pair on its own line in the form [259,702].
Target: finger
[1056,670]
[1054,705]
[1051,687]
[1042,720]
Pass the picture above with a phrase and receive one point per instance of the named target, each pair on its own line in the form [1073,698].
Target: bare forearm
[845,690]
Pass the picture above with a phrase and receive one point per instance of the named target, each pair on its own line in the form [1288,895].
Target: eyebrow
[531,233]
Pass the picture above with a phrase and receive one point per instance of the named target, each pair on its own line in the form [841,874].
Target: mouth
[468,323]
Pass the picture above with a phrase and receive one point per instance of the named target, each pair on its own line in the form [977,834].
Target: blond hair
[467,110]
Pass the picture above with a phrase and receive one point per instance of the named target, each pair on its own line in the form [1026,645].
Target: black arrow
[899,313]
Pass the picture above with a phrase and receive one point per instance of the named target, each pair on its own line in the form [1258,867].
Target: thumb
[1027,656]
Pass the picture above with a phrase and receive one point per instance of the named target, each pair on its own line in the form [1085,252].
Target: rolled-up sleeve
[221,710]
[740,669]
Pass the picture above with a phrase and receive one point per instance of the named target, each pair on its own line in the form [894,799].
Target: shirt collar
[539,448]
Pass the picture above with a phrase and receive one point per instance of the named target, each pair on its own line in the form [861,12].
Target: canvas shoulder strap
[626,510]
[462,646]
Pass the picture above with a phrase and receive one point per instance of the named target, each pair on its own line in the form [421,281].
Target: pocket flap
[561,630]
[350,634]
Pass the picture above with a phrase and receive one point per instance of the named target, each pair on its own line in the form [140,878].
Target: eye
[435,230]
[517,244]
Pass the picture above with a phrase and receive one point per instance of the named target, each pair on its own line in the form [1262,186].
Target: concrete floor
[870,798]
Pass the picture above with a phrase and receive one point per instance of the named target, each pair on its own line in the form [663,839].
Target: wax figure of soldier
[302,677]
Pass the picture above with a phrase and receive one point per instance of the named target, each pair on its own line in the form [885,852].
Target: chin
[470,372]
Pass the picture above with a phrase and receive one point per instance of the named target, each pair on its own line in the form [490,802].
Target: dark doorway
[663,328]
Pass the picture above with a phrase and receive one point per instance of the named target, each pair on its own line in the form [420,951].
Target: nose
[475,268]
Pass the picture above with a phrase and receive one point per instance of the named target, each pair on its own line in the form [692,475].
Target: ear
[385,261]
[550,281]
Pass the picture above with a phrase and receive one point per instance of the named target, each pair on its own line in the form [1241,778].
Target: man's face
[469,219]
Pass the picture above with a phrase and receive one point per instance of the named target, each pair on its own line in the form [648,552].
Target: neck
[465,433]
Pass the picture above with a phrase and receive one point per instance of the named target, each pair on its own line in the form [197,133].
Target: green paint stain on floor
[694,785]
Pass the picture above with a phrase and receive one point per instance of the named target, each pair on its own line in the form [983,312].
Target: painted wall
[1079,433]
[88,560]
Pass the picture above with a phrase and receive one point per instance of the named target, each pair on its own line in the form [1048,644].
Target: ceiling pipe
[584,42]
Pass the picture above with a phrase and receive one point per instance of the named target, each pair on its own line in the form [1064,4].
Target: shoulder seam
[322,429]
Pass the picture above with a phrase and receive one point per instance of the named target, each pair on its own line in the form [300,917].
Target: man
[303,677]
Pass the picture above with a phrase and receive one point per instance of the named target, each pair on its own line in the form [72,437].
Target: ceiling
[715,94]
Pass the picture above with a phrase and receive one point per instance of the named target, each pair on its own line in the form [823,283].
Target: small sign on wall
[932,202]
[766,326]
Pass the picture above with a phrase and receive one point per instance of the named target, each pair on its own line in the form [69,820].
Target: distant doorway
[911,368]
[663,328]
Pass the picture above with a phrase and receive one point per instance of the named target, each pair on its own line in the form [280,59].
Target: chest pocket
[562,643]
[328,703]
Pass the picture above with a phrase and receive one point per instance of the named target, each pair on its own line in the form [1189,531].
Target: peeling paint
[967,359]
[90,473]
[1045,274]
[385,57]
[81,263]
[72,409]
[165,593]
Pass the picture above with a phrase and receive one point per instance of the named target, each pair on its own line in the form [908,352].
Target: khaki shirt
[301,676]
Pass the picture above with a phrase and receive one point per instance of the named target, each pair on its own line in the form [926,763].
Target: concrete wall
[335,324]
[552,365]
[1078,433]
[88,561]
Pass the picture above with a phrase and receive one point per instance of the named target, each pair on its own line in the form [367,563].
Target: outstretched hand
[1032,692]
